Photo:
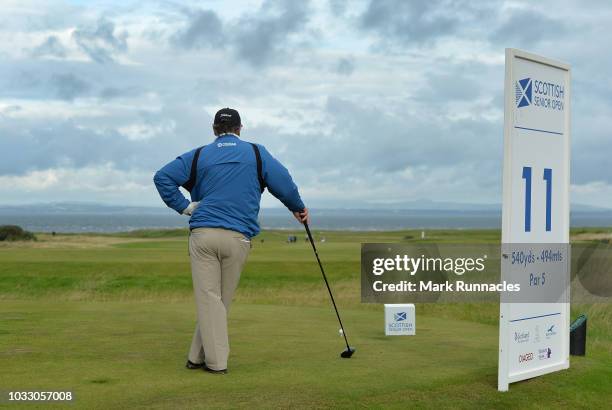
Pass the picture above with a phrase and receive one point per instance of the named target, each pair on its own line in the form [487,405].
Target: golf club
[349,350]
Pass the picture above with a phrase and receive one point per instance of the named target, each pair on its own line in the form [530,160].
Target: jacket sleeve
[279,182]
[168,180]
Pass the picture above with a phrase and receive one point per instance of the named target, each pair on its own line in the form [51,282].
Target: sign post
[534,335]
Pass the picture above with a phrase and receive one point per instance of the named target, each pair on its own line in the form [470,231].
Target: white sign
[534,337]
[399,320]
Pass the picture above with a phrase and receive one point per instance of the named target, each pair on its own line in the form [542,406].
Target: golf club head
[347,353]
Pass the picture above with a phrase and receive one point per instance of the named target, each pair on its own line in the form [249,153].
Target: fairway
[110,317]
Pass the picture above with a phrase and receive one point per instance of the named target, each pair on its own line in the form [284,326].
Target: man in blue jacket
[226,179]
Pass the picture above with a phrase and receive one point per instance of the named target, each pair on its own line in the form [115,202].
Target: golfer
[226,179]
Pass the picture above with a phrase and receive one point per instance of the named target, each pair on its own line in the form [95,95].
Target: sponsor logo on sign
[526,357]
[545,353]
[521,337]
[538,93]
[400,323]
[523,92]
[551,331]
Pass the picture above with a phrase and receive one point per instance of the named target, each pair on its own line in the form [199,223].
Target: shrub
[15,233]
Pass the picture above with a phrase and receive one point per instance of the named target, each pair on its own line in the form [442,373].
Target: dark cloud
[100,43]
[51,47]
[338,7]
[465,82]
[31,84]
[590,134]
[408,21]
[345,66]
[69,86]
[256,37]
[591,160]
[57,144]
[52,144]
[64,79]
[447,87]
[419,23]
[204,29]
[391,138]
[262,36]
[388,139]
[108,93]
[48,142]
[525,27]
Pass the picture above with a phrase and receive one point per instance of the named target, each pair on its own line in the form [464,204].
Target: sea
[329,219]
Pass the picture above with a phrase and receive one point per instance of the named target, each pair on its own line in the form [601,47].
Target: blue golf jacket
[227,185]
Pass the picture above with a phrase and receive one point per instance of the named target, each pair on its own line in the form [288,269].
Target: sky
[366,102]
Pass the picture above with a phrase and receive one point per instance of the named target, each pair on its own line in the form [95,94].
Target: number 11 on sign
[548,178]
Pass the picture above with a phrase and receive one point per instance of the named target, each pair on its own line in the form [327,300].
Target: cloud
[255,37]
[387,142]
[388,138]
[69,86]
[408,21]
[111,92]
[261,37]
[338,7]
[58,144]
[135,140]
[345,66]
[423,23]
[101,43]
[369,101]
[204,29]
[525,27]
[99,183]
[465,83]
[51,47]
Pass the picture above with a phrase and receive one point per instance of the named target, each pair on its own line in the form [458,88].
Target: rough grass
[111,316]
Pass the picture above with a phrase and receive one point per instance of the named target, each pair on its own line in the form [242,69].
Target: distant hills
[80,208]
[418,205]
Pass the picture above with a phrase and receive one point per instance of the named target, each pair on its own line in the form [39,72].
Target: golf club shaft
[314,248]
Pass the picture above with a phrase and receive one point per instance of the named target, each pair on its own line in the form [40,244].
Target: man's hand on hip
[303,216]
[192,207]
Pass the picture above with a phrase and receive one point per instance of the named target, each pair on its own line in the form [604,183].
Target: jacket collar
[228,134]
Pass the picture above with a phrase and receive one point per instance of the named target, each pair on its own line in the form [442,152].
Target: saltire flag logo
[401,316]
[523,92]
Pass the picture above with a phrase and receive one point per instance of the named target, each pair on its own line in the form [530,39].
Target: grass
[110,317]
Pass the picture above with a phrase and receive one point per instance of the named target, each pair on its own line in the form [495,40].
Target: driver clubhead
[347,353]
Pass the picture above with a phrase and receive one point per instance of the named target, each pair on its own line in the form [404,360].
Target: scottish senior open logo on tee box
[400,323]
[399,319]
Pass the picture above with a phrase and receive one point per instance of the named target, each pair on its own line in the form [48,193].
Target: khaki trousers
[217,257]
